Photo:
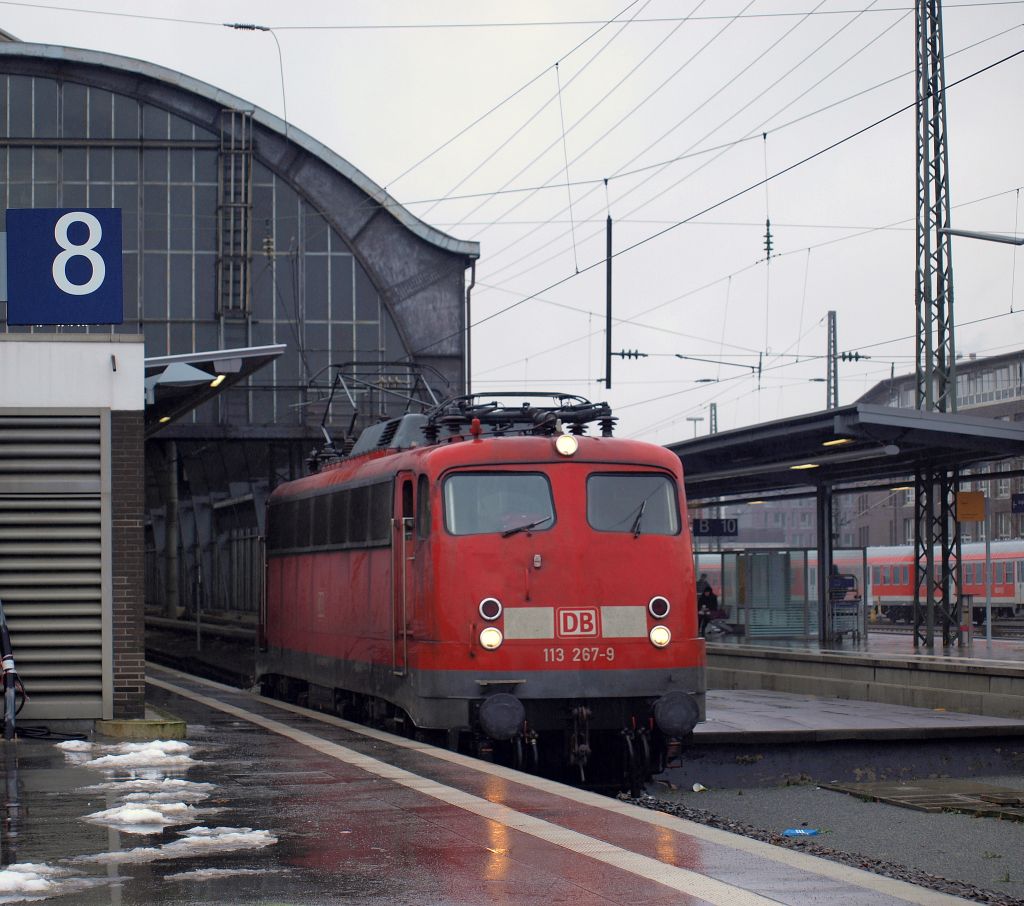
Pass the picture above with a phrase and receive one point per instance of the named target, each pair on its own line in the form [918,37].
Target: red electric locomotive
[494,573]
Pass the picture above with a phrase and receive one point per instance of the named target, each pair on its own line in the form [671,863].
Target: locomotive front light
[659,607]
[490,609]
[491,637]
[660,636]
[566,444]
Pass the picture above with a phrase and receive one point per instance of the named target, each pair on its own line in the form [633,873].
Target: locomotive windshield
[632,502]
[480,502]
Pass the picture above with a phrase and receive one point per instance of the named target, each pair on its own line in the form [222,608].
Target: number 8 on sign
[85,250]
[64,266]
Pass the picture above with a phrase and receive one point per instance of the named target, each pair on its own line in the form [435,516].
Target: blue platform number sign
[64,266]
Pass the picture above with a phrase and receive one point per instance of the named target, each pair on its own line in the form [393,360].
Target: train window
[339,517]
[905,575]
[999,572]
[379,528]
[423,507]
[876,575]
[321,520]
[1020,570]
[641,503]
[407,505]
[358,515]
[885,575]
[303,519]
[476,503]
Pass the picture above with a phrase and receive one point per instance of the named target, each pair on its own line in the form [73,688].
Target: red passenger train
[494,573]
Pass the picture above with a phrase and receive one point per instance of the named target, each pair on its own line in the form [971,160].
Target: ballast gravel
[978,859]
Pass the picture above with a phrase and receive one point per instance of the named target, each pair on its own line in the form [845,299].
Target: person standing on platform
[707,605]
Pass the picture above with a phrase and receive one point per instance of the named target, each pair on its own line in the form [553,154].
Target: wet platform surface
[305,808]
[891,646]
[757,715]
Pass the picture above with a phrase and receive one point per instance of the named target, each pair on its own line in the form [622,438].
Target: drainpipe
[469,340]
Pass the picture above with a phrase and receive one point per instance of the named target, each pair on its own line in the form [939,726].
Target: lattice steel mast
[937,586]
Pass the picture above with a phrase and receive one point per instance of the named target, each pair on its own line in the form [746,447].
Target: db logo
[577,622]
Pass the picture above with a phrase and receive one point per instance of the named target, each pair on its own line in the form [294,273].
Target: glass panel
[423,507]
[154,222]
[180,129]
[127,199]
[154,165]
[73,161]
[181,339]
[380,512]
[45,195]
[316,287]
[181,165]
[483,502]
[368,342]
[637,503]
[154,122]
[47,124]
[366,297]
[75,106]
[154,281]
[181,287]
[341,288]
[126,117]
[100,113]
[47,163]
[101,195]
[181,218]
[3,106]
[126,165]
[339,518]
[206,218]
[21,106]
[206,167]
[316,230]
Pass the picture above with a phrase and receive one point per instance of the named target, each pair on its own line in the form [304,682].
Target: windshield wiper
[525,528]
[639,517]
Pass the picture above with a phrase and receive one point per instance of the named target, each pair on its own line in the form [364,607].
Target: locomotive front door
[403,558]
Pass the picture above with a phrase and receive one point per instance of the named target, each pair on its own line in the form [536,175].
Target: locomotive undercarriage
[599,742]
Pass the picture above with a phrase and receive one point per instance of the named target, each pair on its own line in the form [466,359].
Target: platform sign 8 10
[64,266]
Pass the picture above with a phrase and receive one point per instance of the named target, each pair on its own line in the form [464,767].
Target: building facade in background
[239,231]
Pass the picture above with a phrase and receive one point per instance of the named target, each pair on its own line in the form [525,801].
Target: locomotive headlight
[566,444]
[660,636]
[490,609]
[491,637]
[659,607]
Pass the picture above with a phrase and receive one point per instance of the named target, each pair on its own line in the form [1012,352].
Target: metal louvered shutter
[53,519]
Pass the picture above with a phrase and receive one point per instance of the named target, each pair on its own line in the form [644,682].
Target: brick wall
[127,563]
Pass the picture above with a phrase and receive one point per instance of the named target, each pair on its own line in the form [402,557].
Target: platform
[983,678]
[302,807]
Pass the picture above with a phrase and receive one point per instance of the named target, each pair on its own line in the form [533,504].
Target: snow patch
[144,818]
[196,841]
[29,882]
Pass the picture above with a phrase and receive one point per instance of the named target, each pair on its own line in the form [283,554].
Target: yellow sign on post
[970,506]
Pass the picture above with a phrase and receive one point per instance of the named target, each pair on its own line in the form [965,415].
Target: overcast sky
[681,106]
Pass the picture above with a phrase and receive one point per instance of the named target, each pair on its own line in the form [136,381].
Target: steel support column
[936,532]
[826,621]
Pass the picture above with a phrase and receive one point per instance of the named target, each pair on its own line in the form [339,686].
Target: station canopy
[177,384]
[851,444]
